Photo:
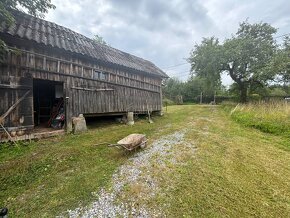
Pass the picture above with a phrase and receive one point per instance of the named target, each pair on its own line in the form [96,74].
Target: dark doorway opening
[48,103]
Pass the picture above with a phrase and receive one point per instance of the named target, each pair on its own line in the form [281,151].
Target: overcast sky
[164,31]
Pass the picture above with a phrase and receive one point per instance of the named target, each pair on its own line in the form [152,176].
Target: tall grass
[272,117]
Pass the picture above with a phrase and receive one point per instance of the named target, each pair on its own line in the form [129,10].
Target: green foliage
[273,117]
[172,88]
[205,62]
[254,97]
[280,63]
[278,92]
[245,57]
[200,84]
[99,39]
[191,89]
[167,102]
[33,7]
[247,54]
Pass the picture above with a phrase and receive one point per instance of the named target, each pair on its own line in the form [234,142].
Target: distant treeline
[178,92]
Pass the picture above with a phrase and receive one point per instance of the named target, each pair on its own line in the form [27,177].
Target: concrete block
[130,118]
[79,124]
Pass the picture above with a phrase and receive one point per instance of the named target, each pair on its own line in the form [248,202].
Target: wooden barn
[52,70]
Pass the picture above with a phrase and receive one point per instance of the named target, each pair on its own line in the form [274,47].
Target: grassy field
[48,177]
[271,117]
[235,171]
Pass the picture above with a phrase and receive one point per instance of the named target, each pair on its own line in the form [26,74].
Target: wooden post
[27,60]
[130,118]
[44,63]
[67,107]
[58,66]
[71,69]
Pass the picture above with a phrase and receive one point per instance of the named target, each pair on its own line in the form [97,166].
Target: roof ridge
[49,33]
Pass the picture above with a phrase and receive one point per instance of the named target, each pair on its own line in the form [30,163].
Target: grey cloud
[164,31]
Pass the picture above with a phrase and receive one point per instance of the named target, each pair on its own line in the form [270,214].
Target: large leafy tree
[172,88]
[205,64]
[33,7]
[285,71]
[245,56]
[280,63]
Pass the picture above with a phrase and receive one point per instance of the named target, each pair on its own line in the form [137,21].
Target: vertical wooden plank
[27,60]
[44,63]
[58,66]
[71,69]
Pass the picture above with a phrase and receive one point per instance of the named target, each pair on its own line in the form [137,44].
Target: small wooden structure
[51,63]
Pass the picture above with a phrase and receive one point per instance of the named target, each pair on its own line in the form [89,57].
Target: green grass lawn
[47,177]
[236,171]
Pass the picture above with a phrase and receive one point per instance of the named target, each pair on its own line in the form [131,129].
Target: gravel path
[136,172]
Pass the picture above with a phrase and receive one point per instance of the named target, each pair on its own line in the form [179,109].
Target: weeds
[271,117]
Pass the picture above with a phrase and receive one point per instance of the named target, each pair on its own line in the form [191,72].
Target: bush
[255,97]
[167,102]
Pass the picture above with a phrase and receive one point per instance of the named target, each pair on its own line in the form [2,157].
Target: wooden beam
[87,78]
[4,86]
[80,65]
[94,90]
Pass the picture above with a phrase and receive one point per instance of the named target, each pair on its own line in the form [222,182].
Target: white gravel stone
[136,170]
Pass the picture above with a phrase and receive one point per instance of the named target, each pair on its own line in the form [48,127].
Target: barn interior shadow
[102,121]
[106,121]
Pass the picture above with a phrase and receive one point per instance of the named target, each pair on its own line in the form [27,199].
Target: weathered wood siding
[92,87]
[13,87]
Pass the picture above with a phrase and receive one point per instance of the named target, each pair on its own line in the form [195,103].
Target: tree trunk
[243,93]
[243,85]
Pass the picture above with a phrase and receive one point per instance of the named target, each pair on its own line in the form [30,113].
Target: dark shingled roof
[51,34]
